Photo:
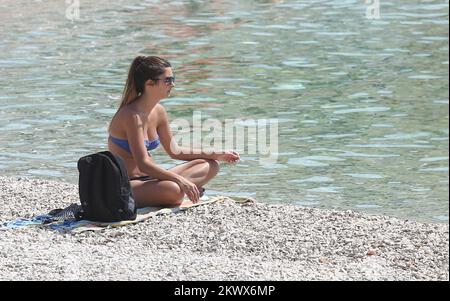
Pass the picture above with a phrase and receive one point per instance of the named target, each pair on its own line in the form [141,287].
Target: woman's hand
[229,157]
[189,188]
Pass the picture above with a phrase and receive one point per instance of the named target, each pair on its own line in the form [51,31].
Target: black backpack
[104,188]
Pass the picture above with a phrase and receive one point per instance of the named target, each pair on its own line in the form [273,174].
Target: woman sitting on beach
[141,125]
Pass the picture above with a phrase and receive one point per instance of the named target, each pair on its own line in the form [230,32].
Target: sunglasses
[169,80]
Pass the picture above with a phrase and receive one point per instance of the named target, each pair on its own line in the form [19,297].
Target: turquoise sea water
[362,104]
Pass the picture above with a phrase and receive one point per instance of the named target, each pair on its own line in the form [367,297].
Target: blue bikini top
[149,144]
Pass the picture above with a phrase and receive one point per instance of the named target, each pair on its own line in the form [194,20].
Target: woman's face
[163,86]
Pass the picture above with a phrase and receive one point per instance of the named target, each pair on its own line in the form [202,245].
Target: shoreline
[223,241]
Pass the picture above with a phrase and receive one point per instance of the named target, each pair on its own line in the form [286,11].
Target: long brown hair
[142,69]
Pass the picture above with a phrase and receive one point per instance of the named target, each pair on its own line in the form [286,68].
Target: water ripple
[363,110]
[359,102]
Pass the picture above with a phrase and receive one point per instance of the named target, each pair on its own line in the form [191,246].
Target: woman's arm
[183,153]
[224,156]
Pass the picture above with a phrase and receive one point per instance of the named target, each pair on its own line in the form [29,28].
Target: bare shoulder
[160,109]
[161,113]
[128,116]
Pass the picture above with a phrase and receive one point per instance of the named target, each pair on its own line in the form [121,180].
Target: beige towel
[146,213]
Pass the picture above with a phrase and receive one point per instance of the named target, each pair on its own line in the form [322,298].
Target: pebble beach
[220,241]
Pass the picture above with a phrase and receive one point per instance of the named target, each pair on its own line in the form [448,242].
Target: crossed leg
[167,193]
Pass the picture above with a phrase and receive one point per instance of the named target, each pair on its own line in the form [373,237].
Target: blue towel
[23,222]
[57,219]
[67,226]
